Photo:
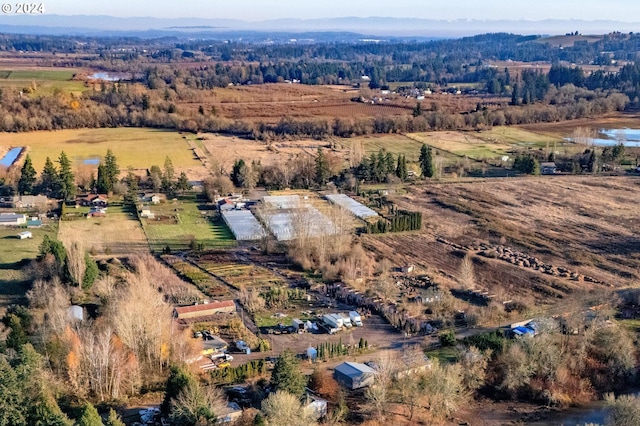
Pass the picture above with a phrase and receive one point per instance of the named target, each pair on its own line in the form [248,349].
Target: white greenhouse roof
[288,214]
[348,203]
[243,224]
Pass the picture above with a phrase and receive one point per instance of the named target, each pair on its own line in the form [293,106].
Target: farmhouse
[89,200]
[354,375]
[151,198]
[203,310]
[27,201]
[12,219]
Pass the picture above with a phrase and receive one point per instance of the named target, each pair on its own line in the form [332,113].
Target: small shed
[312,353]
[354,375]
[146,213]
[316,405]
[230,413]
[75,312]
[24,235]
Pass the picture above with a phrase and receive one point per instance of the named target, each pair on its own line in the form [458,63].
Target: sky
[258,10]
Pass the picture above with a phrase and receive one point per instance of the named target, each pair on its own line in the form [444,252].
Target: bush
[448,338]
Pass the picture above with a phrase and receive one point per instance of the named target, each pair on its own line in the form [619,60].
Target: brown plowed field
[587,224]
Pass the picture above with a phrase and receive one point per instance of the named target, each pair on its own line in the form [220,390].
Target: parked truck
[346,320]
[356,319]
[333,320]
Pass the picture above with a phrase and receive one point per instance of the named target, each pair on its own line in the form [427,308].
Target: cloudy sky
[256,10]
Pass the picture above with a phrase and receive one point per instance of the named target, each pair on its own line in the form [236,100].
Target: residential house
[354,375]
[203,310]
[151,198]
[28,201]
[12,219]
[91,200]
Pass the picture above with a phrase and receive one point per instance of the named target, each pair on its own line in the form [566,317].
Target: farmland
[40,81]
[14,255]
[117,234]
[138,148]
[582,224]
[182,222]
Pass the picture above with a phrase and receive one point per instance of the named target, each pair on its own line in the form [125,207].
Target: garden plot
[242,276]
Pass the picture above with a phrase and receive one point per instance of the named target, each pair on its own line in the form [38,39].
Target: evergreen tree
[592,164]
[238,165]
[388,162]
[102,183]
[49,183]
[183,183]
[65,177]
[417,111]
[111,170]
[27,177]
[90,273]
[426,161]
[287,375]
[322,168]
[114,419]
[178,380]
[89,416]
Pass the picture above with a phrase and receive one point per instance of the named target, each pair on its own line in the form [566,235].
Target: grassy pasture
[139,148]
[117,234]
[14,254]
[242,276]
[178,223]
[46,80]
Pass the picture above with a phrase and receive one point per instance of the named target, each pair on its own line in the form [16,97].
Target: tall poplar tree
[111,169]
[426,161]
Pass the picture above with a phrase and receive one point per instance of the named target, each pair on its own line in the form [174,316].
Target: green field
[40,82]
[178,223]
[139,148]
[14,255]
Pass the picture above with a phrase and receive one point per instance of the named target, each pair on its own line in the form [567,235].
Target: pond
[106,76]
[94,161]
[10,157]
[612,137]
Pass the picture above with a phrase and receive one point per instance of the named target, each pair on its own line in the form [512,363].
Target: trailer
[332,321]
[298,325]
[356,319]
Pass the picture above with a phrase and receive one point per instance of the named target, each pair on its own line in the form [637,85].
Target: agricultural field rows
[242,276]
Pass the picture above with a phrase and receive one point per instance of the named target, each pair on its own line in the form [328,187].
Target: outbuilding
[205,309]
[354,375]
[24,235]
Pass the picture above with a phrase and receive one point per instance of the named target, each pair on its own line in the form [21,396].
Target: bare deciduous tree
[198,405]
[252,300]
[282,408]
[466,273]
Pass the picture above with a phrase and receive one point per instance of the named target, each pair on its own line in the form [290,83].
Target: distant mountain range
[373,26]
